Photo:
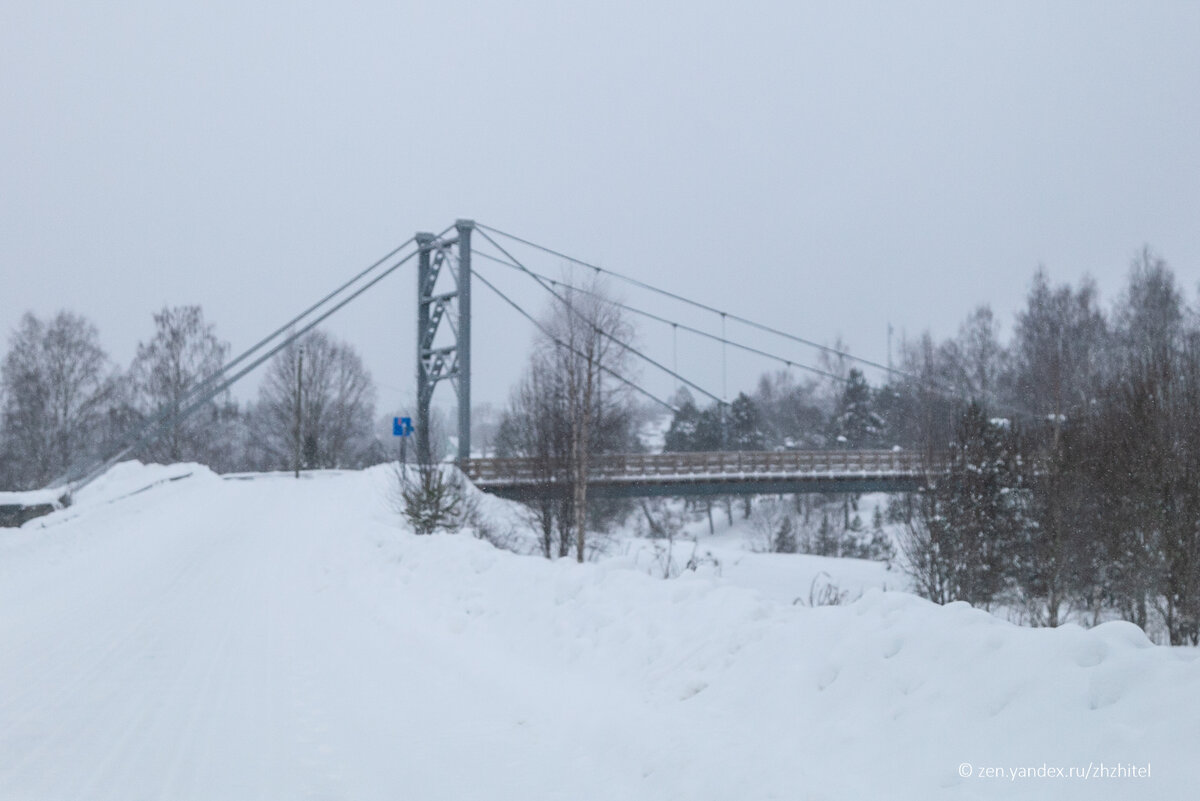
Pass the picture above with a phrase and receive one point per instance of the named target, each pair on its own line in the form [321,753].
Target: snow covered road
[274,638]
[209,650]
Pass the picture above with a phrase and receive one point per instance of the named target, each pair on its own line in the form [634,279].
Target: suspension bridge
[712,473]
[445,274]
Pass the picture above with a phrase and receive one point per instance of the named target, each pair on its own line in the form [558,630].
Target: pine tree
[979,500]
[431,497]
[856,424]
[683,435]
[879,546]
[745,425]
[825,543]
[785,536]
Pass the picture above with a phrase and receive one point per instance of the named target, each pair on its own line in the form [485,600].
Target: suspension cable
[934,386]
[678,325]
[155,428]
[699,305]
[544,285]
[209,381]
[560,343]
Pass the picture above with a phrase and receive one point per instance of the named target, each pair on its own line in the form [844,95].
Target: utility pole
[299,385]
[724,388]
[889,351]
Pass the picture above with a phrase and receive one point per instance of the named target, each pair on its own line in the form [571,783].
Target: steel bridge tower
[449,358]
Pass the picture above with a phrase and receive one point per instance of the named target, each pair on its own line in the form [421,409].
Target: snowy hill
[177,637]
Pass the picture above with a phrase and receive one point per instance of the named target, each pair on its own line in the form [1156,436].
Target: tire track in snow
[86,664]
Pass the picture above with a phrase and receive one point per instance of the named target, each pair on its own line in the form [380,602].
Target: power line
[559,342]
[699,305]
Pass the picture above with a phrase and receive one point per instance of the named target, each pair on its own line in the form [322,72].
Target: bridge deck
[712,473]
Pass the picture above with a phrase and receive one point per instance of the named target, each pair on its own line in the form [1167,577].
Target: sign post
[402,427]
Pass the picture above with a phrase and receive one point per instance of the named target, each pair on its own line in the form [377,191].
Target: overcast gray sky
[824,168]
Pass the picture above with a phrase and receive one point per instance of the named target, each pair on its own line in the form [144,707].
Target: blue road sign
[402,426]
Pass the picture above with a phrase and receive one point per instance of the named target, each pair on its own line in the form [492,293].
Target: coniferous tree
[683,434]
[979,501]
[432,497]
[785,536]
[825,543]
[856,423]
[745,425]
[962,544]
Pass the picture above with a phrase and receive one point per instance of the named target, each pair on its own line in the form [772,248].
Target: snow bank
[31,498]
[885,697]
[131,477]
[282,638]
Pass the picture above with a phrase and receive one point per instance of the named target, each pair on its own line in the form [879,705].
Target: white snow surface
[32,497]
[280,639]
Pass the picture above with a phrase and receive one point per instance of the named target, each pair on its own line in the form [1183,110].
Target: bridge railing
[730,464]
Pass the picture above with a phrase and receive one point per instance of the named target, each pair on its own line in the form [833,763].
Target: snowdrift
[278,638]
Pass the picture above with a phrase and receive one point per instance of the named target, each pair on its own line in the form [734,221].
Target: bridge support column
[424,344]
[464,338]
[437,361]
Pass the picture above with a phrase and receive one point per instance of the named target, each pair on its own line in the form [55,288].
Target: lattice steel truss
[451,361]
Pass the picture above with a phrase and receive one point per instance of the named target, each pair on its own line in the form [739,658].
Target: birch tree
[570,406]
[57,381]
[183,352]
[586,328]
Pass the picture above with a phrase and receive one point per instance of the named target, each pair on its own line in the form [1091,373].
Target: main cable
[607,334]
[699,305]
[675,324]
[559,342]
[934,386]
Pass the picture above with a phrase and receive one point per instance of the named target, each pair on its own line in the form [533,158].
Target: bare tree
[585,332]
[535,426]
[1150,440]
[183,353]
[57,383]
[568,407]
[335,399]
[8,466]
[975,361]
[1055,374]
